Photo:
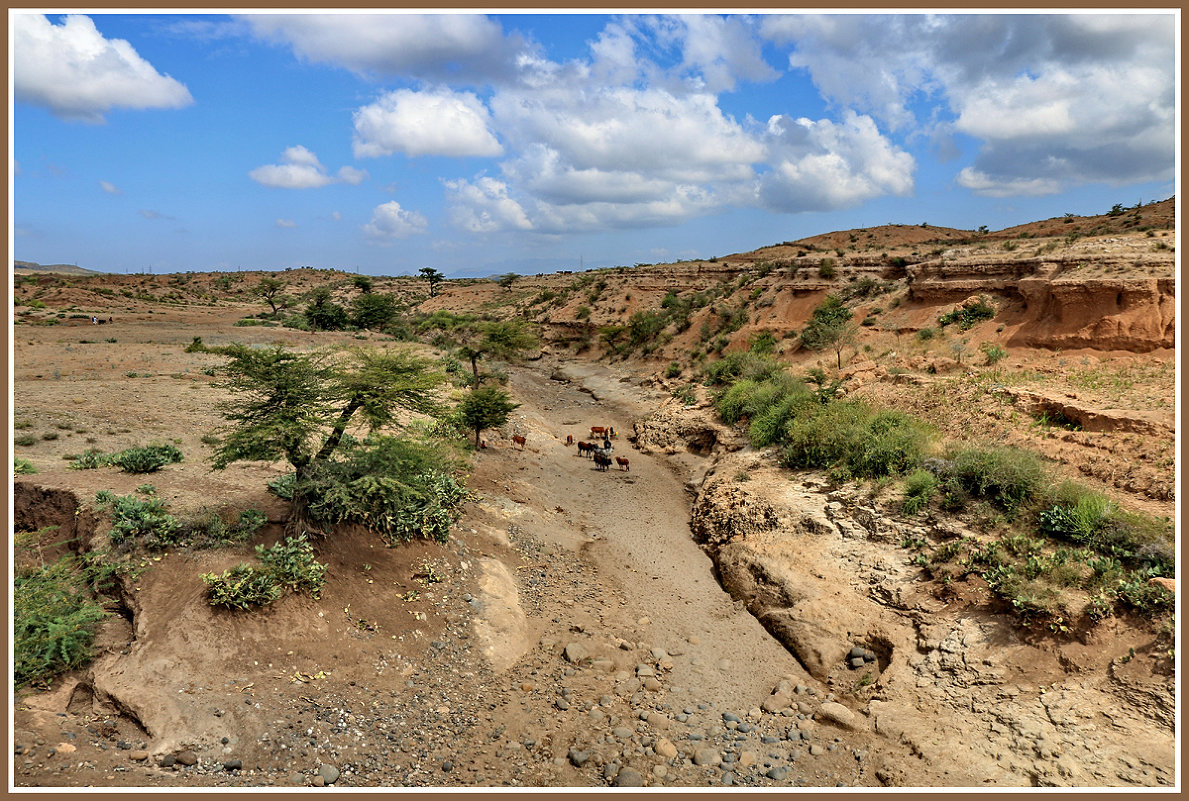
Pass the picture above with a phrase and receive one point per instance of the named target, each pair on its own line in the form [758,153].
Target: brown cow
[569,439]
[602,462]
[519,440]
[585,448]
[598,431]
[622,462]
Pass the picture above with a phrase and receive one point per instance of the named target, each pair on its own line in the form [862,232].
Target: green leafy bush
[856,439]
[1008,477]
[919,488]
[994,353]
[24,440]
[146,459]
[54,620]
[135,520]
[968,316]
[22,467]
[292,564]
[242,587]
[90,459]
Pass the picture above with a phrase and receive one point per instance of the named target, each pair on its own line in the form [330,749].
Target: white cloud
[1056,100]
[77,74]
[389,221]
[431,123]
[110,188]
[426,46]
[822,165]
[300,169]
[716,51]
[484,206]
[983,184]
[283,223]
[336,216]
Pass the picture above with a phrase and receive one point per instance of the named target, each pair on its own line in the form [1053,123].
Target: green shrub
[1007,477]
[994,353]
[24,440]
[854,439]
[672,370]
[242,587]
[293,565]
[826,268]
[54,621]
[90,459]
[22,467]
[146,459]
[919,488]
[135,520]
[925,334]
[968,316]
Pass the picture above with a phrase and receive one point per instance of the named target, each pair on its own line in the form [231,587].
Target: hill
[32,267]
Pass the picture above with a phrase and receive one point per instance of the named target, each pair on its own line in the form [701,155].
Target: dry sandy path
[637,522]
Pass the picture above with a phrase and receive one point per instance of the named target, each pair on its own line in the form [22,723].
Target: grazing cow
[585,448]
[569,439]
[603,462]
[519,440]
[622,462]
[598,431]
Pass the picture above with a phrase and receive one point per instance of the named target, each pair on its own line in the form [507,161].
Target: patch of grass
[22,467]
[90,459]
[853,439]
[1007,477]
[919,488]
[968,316]
[24,440]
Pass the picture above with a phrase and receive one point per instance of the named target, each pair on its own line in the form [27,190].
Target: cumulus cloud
[823,165]
[465,47]
[389,221]
[283,223]
[300,169]
[438,122]
[1055,100]
[76,73]
[484,205]
[716,52]
[110,188]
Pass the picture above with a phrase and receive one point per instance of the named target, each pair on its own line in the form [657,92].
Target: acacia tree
[830,326]
[298,407]
[486,407]
[433,277]
[500,339]
[270,289]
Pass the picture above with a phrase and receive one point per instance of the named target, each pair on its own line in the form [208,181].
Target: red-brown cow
[519,440]
[622,462]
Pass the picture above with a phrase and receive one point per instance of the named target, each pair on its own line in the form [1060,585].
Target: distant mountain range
[64,269]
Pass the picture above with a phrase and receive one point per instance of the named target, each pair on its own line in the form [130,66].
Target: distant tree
[270,290]
[362,283]
[298,406]
[982,229]
[501,339]
[826,323]
[433,277]
[322,313]
[373,310]
[485,407]
[847,335]
[507,279]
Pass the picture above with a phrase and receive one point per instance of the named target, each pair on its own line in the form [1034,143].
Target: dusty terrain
[685,622]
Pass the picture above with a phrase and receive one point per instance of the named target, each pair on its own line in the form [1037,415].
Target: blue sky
[481,144]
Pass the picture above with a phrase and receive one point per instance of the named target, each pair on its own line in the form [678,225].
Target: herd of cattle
[600,453]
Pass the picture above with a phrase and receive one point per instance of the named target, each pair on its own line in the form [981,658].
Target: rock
[839,714]
[651,684]
[447,766]
[707,757]
[187,758]
[857,662]
[233,764]
[168,761]
[328,773]
[645,670]
[816,750]
[665,748]
[731,717]
[629,777]
[318,781]
[296,778]
[777,702]
[856,652]
[748,758]
[578,758]
[562,704]
[816,648]
[576,652]
[622,732]
[777,774]
[138,756]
